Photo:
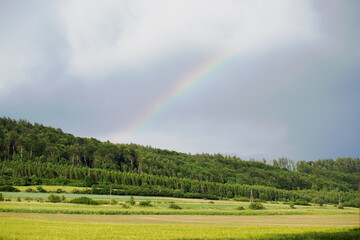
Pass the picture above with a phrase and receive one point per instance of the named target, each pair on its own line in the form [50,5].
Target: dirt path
[288,220]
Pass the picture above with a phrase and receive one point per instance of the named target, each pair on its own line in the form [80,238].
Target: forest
[34,154]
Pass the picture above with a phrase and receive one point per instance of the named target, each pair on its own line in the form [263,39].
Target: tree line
[125,183]
[21,141]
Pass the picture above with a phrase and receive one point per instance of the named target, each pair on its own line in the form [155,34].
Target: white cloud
[107,35]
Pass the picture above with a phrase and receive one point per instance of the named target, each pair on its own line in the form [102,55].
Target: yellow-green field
[293,220]
[189,207]
[20,226]
[51,188]
[28,216]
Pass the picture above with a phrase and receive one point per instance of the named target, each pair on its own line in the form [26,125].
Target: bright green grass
[162,208]
[14,228]
[51,188]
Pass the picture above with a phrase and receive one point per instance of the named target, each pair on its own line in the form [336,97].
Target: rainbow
[184,84]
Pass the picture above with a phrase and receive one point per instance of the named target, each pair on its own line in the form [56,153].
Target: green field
[21,227]
[160,206]
[34,218]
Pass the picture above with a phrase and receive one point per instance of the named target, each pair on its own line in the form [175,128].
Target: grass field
[160,207]
[32,218]
[23,227]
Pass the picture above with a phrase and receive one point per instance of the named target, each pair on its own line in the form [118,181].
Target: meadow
[22,228]
[28,215]
[36,203]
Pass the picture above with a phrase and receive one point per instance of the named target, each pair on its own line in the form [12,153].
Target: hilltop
[34,151]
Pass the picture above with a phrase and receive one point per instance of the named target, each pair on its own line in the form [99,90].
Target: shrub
[211,202]
[292,206]
[174,206]
[146,203]
[63,199]
[256,206]
[39,199]
[28,199]
[84,200]
[242,199]
[124,205]
[240,208]
[340,206]
[352,203]
[40,189]
[8,188]
[59,190]
[1,197]
[302,202]
[76,191]
[54,198]
[18,199]
[113,201]
[28,190]
[131,201]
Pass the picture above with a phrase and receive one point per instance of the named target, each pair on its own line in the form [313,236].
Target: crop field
[66,227]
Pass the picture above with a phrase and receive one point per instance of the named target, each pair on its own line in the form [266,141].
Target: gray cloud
[291,87]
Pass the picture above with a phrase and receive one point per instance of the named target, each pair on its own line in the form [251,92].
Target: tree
[88,181]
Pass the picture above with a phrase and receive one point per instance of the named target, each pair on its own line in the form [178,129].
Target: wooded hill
[33,152]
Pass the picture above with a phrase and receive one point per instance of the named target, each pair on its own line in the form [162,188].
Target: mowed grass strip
[15,228]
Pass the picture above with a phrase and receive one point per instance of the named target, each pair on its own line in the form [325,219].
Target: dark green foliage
[8,188]
[229,194]
[124,205]
[22,140]
[131,201]
[340,206]
[351,203]
[256,206]
[174,206]
[113,201]
[1,197]
[32,154]
[292,206]
[84,200]
[88,182]
[28,199]
[302,202]
[54,198]
[29,190]
[41,189]
[146,203]
[63,198]
[75,191]
[242,199]
[240,208]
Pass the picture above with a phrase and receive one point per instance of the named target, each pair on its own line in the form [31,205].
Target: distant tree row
[125,183]
[23,141]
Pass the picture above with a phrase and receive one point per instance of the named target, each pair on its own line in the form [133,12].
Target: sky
[250,78]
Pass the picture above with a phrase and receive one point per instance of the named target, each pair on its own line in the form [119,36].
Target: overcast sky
[284,78]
